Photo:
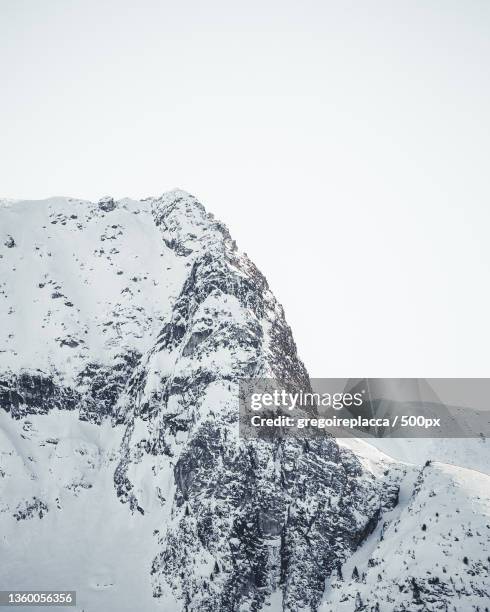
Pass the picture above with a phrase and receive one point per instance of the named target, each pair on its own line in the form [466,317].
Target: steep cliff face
[127,328]
[245,519]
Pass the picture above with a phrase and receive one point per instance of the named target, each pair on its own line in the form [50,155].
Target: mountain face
[126,327]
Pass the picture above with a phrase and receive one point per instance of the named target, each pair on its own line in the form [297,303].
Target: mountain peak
[185,224]
[177,200]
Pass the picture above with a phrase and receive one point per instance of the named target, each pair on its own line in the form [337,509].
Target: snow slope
[81,282]
[429,553]
[85,540]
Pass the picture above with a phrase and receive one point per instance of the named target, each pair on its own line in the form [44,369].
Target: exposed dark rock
[31,509]
[107,204]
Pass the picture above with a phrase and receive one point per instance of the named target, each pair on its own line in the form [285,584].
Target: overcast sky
[345,144]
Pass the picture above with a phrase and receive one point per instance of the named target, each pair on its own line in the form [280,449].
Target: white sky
[345,144]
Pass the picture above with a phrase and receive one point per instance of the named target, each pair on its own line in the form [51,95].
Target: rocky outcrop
[34,392]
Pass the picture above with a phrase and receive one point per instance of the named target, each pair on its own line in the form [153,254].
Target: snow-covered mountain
[431,551]
[125,328]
